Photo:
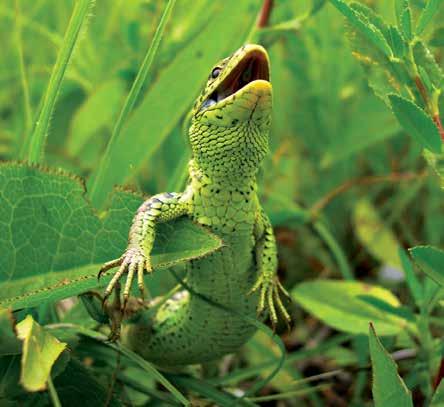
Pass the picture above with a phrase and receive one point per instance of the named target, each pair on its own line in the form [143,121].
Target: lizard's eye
[215,72]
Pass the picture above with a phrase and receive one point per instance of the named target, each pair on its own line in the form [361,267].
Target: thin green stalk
[53,393]
[23,77]
[97,192]
[335,249]
[35,145]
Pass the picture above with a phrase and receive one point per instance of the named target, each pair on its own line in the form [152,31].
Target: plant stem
[35,144]
[97,192]
[53,393]
[335,249]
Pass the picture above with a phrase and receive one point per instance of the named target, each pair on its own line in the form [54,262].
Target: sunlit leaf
[337,304]
[388,387]
[40,351]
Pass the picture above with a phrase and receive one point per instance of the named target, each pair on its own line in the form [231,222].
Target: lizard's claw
[132,261]
[270,290]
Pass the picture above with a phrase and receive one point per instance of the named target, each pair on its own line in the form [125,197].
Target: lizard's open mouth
[252,67]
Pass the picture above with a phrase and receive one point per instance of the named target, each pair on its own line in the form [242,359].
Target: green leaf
[438,396]
[416,122]
[400,6]
[9,344]
[437,38]
[413,282]
[40,351]
[378,239]
[98,111]
[54,242]
[425,60]
[169,98]
[406,23]
[397,43]
[366,28]
[338,305]
[427,14]
[388,387]
[431,261]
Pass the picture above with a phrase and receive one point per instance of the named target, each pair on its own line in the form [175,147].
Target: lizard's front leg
[137,257]
[268,282]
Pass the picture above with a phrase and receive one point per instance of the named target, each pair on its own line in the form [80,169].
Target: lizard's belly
[189,329]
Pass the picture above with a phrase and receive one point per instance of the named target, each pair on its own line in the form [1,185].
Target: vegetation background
[100,91]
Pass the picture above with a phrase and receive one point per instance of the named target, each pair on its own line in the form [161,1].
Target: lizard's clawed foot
[132,261]
[270,290]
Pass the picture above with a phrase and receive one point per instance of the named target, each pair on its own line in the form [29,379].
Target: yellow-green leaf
[376,237]
[40,351]
[338,304]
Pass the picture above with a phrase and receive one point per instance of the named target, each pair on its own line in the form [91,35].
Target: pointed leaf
[431,261]
[40,351]
[388,387]
[371,32]
[416,122]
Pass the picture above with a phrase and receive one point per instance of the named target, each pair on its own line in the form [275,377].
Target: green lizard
[229,139]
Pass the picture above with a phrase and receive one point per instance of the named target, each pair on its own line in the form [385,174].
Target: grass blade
[97,191]
[34,146]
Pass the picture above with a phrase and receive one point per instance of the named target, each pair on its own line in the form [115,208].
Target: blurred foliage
[353,179]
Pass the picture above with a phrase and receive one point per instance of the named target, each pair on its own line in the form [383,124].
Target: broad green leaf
[416,122]
[412,280]
[9,344]
[40,351]
[361,23]
[54,242]
[170,97]
[98,111]
[388,388]
[430,9]
[377,238]
[338,305]
[431,261]
[438,396]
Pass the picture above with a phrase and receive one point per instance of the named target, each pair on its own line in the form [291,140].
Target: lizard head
[231,118]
